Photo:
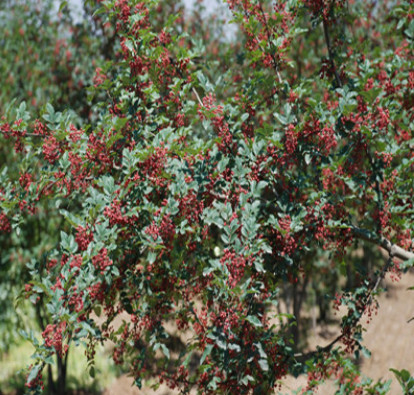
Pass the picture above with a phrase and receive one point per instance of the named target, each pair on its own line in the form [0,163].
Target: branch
[394,251]
[330,52]
[367,301]
[197,96]
[275,62]
[391,248]
[9,133]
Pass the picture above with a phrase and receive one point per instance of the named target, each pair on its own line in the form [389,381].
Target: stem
[26,134]
[51,383]
[275,63]
[177,69]
[61,379]
[48,186]
[197,96]
[330,52]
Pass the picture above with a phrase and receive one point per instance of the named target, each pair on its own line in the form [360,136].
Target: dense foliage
[43,56]
[203,184]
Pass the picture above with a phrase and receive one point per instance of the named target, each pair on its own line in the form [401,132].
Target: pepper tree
[43,56]
[217,177]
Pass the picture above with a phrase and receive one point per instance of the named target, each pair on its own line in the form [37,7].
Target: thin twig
[275,63]
[197,96]
[48,186]
[178,70]
[330,52]
[26,134]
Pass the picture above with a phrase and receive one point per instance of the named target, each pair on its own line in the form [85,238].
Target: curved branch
[394,251]
[391,248]
[303,357]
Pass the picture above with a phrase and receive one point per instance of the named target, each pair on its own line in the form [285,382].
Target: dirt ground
[389,337]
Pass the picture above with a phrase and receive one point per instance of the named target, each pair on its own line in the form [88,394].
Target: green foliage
[204,182]
[405,379]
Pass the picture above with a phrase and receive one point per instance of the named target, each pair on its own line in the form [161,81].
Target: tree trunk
[61,379]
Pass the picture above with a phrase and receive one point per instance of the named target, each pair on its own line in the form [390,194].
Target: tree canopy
[186,179]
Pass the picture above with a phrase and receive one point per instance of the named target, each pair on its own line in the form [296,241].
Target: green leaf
[264,365]
[165,350]
[33,373]
[97,310]
[129,45]
[50,109]
[254,320]
[138,382]
[63,4]
[152,256]
[404,374]
[206,353]
[245,380]
[244,117]
[235,347]
[261,351]
[187,360]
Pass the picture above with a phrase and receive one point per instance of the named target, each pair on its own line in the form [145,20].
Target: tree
[43,57]
[219,178]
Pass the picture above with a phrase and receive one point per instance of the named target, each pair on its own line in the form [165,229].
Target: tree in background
[43,56]
[216,180]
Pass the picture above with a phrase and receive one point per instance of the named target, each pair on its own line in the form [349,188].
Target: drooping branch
[394,251]
[372,289]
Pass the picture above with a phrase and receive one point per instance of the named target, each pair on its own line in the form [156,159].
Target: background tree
[43,56]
